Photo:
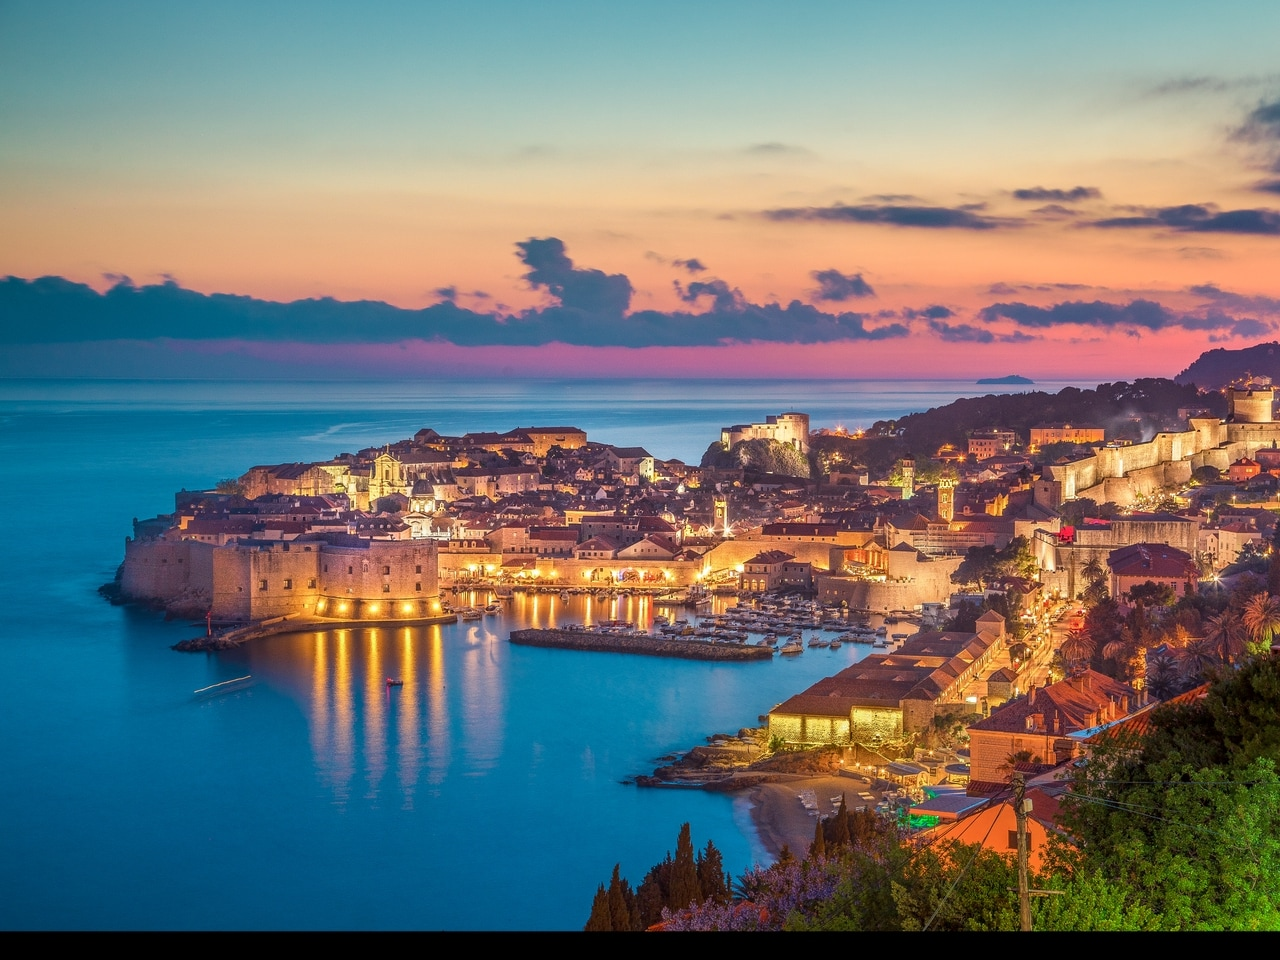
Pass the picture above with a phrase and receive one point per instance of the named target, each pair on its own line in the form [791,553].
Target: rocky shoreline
[684,648]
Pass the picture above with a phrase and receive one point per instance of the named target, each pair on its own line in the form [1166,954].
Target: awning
[905,769]
[952,806]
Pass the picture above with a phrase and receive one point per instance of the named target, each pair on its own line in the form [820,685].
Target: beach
[781,818]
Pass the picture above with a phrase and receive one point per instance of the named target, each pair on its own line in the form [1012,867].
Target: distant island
[1012,378]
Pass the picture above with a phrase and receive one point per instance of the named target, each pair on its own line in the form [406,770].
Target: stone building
[891,694]
[789,428]
[1040,724]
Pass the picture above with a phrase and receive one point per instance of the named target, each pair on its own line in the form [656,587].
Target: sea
[491,792]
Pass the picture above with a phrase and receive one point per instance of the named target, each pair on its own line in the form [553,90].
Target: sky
[573,188]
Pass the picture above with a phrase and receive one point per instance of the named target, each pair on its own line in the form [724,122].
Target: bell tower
[908,478]
[947,496]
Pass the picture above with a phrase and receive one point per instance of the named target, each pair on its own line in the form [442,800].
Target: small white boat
[471,613]
[492,609]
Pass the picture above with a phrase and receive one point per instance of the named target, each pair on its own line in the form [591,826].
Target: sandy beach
[781,818]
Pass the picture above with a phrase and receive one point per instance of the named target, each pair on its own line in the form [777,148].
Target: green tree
[818,848]
[1261,618]
[1088,903]
[1187,818]
[713,881]
[601,919]
[684,888]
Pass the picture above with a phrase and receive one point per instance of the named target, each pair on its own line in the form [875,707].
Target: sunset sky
[758,189]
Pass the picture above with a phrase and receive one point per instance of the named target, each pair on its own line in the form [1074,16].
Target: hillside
[1135,410]
[1215,369]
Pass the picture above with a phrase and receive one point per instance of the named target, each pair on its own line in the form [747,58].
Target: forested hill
[1135,410]
[1214,369]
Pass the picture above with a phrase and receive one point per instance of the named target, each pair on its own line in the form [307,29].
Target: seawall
[686,649]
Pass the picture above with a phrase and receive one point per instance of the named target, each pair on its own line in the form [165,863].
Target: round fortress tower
[1250,404]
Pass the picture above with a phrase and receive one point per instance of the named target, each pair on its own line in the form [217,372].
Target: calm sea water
[485,794]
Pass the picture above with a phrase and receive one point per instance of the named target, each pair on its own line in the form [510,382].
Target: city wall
[1123,474]
[167,572]
[930,582]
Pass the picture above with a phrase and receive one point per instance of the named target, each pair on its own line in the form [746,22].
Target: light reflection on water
[312,797]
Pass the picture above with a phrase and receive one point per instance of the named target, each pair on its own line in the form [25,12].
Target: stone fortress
[1122,473]
[789,428]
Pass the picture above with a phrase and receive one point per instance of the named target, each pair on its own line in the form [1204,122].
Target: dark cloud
[447,294]
[1135,316]
[968,333]
[1199,218]
[1267,186]
[1002,289]
[838,287]
[935,312]
[1055,211]
[118,279]
[1262,124]
[891,198]
[593,292]
[589,313]
[1181,86]
[1261,130]
[693,265]
[1236,301]
[723,297]
[961,218]
[1046,194]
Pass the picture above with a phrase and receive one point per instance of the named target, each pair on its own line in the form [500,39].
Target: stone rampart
[166,571]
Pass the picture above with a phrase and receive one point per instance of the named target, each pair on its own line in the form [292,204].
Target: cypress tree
[684,888]
[651,896]
[601,918]
[842,837]
[712,879]
[621,902]
[818,848]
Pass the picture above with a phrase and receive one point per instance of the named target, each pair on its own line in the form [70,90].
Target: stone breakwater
[646,645]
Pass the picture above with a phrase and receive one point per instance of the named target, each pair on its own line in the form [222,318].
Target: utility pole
[1020,807]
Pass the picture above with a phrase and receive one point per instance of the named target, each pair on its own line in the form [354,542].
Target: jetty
[643,644]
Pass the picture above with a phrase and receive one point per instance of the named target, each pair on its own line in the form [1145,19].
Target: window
[288,584]
[262,584]
[418,568]
[386,571]
[417,586]
[350,570]
[1013,839]
[311,584]
[386,588]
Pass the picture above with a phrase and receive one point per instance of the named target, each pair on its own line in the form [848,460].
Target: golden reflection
[376,697]
[439,743]
[408,710]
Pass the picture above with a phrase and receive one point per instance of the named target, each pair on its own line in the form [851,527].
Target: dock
[642,644]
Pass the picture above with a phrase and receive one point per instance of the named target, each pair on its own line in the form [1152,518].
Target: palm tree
[1162,677]
[1078,647]
[1226,634]
[1200,656]
[1261,619]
